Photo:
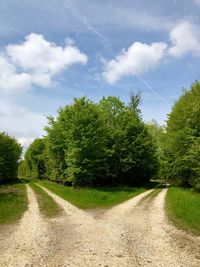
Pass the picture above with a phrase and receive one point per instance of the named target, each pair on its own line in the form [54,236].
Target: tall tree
[10,152]
[96,144]
[183,135]
[35,159]
[158,133]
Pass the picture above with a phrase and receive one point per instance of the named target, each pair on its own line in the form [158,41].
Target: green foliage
[95,144]
[130,149]
[158,133]
[34,165]
[183,208]
[183,137]
[13,202]
[10,152]
[23,172]
[87,198]
[48,207]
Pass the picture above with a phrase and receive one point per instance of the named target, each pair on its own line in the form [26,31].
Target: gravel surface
[135,233]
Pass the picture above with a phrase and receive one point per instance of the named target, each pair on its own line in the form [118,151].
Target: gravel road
[135,233]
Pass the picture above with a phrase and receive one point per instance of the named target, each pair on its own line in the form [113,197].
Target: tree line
[95,144]
[10,152]
[179,141]
[108,143]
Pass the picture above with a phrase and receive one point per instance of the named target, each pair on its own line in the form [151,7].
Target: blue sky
[54,50]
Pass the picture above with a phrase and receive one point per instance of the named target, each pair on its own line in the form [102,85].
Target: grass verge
[88,198]
[13,202]
[183,208]
[48,207]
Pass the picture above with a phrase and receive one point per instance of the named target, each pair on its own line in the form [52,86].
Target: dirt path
[32,241]
[135,233]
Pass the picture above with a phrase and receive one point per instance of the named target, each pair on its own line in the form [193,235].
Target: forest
[108,143]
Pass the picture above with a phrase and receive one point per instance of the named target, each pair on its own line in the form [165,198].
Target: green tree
[10,152]
[158,133]
[86,144]
[94,144]
[23,172]
[131,151]
[183,133]
[35,159]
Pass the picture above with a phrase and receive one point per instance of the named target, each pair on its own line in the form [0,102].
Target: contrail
[104,40]
[151,89]
[84,21]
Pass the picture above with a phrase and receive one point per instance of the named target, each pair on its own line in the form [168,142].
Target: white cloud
[185,38]
[20,122]
[38,54]
[10,80]
[35,62]
[138,58]
[141,57]
[197,2]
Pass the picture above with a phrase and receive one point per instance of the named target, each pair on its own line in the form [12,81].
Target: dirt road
[135,233]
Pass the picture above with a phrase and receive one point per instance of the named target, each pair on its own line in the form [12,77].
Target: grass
[183,208]
[88,198]
[13,202]
[48,207]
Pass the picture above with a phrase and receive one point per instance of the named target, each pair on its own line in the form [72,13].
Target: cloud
[35,62]
[10,80]
[138,58]
[141,57]
[20,122]
[38,54]
[185,38]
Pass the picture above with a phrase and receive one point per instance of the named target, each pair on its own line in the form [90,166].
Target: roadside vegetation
[48,207]
[88,198]
[13,202]
[95,144]
[10,152]
[183,208]
[179,158]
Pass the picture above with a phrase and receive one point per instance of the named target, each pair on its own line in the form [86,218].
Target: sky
[54,50]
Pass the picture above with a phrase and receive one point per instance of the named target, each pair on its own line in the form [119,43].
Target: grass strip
[13,202]
[48,207]
[88,198]
[151,195]
[183,208]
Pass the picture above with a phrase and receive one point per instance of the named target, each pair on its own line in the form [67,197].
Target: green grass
[88,198]
[183,208]
[48,207]
[13,202]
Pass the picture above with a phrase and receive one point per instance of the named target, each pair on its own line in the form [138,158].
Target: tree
[131,156]
[10,152]
[183,134]
[35,159]
[95,144]
[158,133]
[85,143]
